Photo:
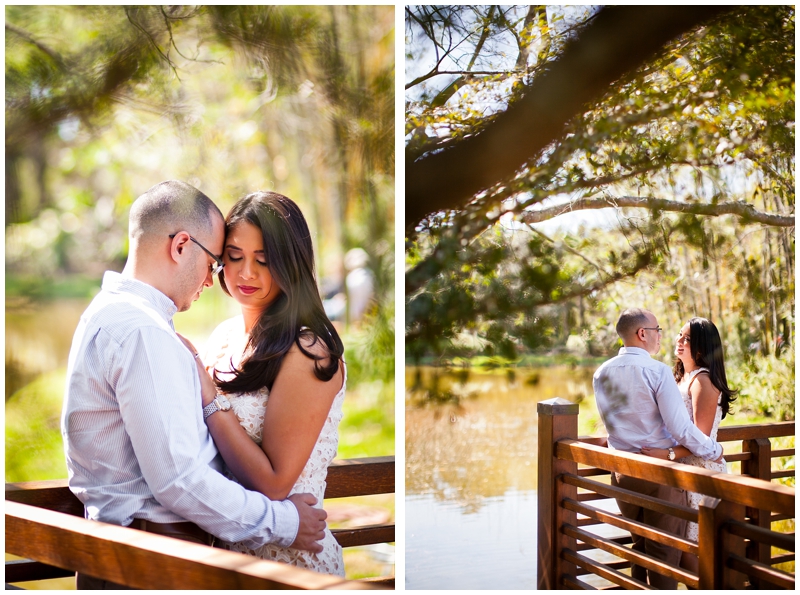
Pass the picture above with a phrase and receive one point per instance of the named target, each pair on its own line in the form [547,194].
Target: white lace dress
[227,343]
[695,498]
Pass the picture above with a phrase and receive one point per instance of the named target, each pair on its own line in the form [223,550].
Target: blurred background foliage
[103,102]
[690,157]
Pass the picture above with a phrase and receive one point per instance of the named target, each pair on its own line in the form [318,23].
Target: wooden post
[759,466]
[558,419]
[716,544]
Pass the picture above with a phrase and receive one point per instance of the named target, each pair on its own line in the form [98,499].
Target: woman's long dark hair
[297,313]
[705,347]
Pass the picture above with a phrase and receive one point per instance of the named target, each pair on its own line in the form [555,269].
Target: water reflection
[39,333]
[471,460]
[472,435]
[38,337]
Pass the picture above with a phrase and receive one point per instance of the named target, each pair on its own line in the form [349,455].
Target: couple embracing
[670,414]
[230,445]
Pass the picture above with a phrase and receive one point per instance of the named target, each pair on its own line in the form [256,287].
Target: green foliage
[708,121]
[368,426]
[36,288]
[34,450]
[766,386]
[104,102]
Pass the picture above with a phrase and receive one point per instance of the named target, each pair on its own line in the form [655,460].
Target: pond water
[39,333]
[471,465]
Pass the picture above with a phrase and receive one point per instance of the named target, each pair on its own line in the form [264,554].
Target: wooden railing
[736,533]
[45,524]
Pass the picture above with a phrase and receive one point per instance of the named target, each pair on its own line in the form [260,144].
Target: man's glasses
[215,268]
[646,328]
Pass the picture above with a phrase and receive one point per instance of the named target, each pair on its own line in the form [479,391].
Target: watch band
[220,403]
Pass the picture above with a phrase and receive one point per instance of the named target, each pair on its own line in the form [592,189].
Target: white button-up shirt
[640,405]
[134,436]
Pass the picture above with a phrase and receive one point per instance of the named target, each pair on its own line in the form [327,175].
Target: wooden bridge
[45,525]
[746,521]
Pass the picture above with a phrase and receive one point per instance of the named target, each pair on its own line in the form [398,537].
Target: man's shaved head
[630,321]
[169,207]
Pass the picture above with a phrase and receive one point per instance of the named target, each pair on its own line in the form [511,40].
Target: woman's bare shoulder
[702,385]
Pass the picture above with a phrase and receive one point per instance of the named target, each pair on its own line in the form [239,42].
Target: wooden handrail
[734,518]
[742,490]
[144,560]
[731,433]
[346,478]
[771,430]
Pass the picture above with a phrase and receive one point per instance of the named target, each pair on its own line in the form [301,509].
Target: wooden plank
[349,477]
[576,584]
[596,440]
[20,571]
[622,540]
[782,559]
[588,496]
[758,466]
[784,541]
[558,419]
[606,572]
[750,432]
[365,535]
[144,560]
[738,456]
[717,544]
[360,477]
[628,554]
[632,497]
[589,471]
[767,576]
[52,495]
[619,564]
[782,473]
[385,581]
[743,490]
[634,527]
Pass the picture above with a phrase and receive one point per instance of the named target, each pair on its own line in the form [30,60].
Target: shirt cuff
[287,522]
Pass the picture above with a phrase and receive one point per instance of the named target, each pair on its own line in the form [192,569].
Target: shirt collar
[116,283]
[633,351]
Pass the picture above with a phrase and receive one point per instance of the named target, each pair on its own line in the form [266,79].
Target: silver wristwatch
[671,454]
[220,403]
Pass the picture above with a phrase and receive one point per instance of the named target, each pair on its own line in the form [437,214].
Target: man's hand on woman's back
[312,523]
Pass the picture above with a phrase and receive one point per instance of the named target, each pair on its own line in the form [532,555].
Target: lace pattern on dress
[226,346]
[693,497]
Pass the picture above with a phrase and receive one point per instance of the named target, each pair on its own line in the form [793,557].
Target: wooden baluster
[760,466]
[558,419]
[716,544]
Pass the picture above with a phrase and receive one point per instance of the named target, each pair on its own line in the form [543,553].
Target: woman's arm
[298,406]
[704,402]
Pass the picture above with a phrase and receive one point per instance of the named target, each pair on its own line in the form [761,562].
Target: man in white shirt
[137,448]
[641,406]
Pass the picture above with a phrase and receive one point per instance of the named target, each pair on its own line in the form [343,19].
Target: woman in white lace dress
[279,365]
[700,374]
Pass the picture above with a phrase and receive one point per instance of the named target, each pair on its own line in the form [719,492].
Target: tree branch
[741,209]
[30,39]
[618,41]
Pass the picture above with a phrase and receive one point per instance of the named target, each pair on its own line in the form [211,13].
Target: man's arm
[158,393]
[677,421]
